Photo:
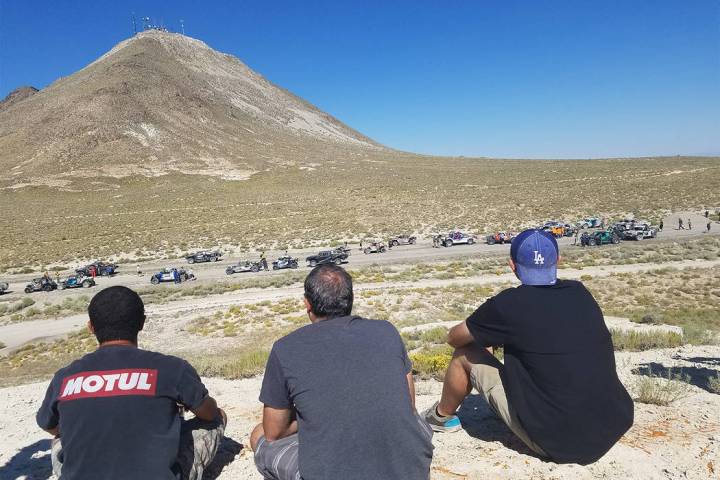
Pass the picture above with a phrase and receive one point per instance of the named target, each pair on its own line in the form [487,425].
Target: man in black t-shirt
[115,413]
[558,389]
[338,395]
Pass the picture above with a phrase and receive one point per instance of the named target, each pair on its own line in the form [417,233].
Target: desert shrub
[431,362]
[658,390]
[231,364]
[714,384]
[639,341]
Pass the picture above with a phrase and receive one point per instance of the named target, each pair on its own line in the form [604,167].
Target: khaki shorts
[485,378]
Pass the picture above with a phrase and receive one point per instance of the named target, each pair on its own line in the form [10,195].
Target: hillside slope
[158,103]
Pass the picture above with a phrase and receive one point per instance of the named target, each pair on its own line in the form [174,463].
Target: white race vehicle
[458,238]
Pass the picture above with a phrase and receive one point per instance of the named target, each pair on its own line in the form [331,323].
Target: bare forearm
[411,388]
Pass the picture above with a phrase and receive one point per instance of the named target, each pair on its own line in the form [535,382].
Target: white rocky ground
[675,442]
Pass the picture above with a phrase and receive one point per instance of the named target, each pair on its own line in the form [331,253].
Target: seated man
[115,413]
[558,390]
[338,396]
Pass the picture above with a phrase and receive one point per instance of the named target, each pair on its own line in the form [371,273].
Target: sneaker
[450,423]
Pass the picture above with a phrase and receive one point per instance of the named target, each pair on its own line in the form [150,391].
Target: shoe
[450,423]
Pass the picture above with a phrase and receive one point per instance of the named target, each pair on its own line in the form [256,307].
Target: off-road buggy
[601,237]
[203,256]
[101,269]
[590,222]
[559,229]
[244,266]
[402,240]
[458,238]
[499,237]
[286,261]
[168,275]
[632,230]
[42,284]
[337,257]
[77,281]
[375,247]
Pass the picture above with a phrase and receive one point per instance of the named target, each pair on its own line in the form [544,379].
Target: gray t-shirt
[346,379]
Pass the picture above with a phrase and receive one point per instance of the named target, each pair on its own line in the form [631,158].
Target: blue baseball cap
[535,254]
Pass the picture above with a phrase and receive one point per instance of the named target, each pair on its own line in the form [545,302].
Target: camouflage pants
[199,442]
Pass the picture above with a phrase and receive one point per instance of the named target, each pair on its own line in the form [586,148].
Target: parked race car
[590,222]
[375,247]
[243,266]
[559,229]
[286,261]
[204,256]
[632,230]
[337,257]
[499,237]
[171,275]
[458,238]
[41,284]
[601,237]
[101,268]
[3,287]
[77,281]
[402,240]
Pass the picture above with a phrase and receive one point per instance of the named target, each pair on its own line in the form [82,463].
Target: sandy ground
[681,441]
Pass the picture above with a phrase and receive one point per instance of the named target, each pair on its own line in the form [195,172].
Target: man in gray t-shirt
[338,395]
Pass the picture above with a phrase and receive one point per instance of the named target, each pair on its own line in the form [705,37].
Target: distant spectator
[708,227]
[661,225]
[707,214]
[137,267]
[680,224]
[263,260]
[689,224]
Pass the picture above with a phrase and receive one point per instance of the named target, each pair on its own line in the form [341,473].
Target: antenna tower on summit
[182,26]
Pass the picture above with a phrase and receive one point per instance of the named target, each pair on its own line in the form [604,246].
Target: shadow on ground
[227,451]
[696,376]
[31,463]
[480,422]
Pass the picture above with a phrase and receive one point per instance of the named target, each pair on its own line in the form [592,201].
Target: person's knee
[255,436]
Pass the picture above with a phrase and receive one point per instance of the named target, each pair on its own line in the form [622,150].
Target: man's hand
[459,336]
[278,423]
[411,388]
[55,432]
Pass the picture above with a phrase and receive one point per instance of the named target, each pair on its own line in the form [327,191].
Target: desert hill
[163,145]
[162,102]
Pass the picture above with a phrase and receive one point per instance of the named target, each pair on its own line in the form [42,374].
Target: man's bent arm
[411,387]
[208,410]
[278,423]
[55,432]
[460,336]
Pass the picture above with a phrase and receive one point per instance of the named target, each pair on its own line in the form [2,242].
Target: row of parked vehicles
[595,235]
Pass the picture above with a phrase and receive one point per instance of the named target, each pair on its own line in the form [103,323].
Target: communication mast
[133,23]
[182,26]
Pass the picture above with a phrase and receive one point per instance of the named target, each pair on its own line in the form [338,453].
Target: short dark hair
[329,290]
[116,313]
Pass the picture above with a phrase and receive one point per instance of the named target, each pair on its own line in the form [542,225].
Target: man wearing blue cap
[558,389]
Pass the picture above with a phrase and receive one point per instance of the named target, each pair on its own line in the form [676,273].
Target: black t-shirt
[117,409]
[346,378]
[559,371]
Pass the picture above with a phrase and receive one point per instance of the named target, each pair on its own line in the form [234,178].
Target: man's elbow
[208,410]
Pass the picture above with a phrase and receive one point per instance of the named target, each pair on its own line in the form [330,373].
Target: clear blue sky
[504,78]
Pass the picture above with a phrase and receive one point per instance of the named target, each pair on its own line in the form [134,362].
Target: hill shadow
[695,376]
[31,462]
[479,421]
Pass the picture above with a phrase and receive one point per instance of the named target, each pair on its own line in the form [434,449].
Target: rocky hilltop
[158,103]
